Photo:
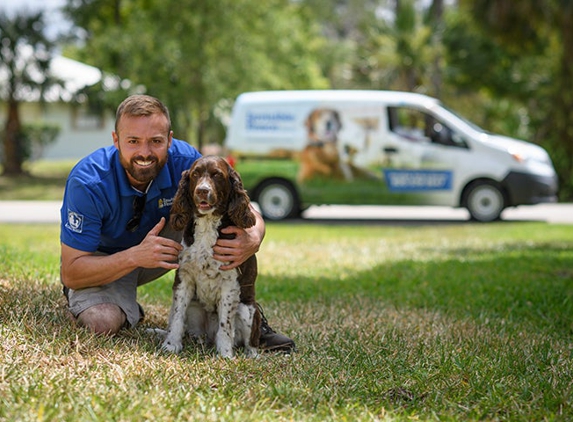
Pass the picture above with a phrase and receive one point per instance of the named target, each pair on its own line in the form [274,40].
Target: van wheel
[277,199]
[484,200]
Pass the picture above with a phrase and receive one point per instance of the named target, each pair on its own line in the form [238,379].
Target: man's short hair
[141,105]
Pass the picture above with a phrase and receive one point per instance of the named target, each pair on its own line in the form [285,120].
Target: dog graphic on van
[320,156]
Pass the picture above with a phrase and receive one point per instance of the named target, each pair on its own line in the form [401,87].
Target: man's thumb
[158,227]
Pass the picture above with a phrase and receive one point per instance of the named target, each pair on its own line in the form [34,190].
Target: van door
[424,157]
[339,163]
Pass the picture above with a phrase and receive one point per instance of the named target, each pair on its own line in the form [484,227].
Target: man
[115,234]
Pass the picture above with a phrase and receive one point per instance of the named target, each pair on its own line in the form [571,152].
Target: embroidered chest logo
[165,202]
[75,221]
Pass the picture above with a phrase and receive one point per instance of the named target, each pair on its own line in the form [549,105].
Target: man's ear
[170,139]
[115,138]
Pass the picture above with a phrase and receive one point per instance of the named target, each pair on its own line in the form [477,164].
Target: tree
[397,50]
[193,54]
[25,55]
[543,30]
[436,22]
[391,44]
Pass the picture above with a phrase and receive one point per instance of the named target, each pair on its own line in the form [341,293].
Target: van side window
[409,123]
[415,125]
[441,134]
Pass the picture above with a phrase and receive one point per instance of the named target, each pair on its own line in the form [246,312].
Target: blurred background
[65,65]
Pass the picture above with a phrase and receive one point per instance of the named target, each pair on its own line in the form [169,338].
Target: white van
[294,149]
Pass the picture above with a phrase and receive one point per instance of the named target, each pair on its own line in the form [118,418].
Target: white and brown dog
[320,156]
[207,302]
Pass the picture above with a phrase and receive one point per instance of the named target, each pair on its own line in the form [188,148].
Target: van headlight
[519,157]
[538,163]
[523,158]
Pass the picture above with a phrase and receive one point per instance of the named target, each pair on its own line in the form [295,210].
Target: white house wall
[80,132]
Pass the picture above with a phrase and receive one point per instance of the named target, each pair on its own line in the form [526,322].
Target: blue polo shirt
[98,200]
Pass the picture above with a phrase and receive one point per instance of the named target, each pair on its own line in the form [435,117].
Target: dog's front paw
[172,346]
[251,352]
[225,352]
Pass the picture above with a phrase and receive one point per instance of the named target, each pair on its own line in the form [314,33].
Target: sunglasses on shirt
[138,206]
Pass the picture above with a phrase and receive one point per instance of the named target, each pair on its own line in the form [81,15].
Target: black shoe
[271,341]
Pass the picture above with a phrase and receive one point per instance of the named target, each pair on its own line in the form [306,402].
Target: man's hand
[82,269]
[246,242]
[158,252]
[236,251]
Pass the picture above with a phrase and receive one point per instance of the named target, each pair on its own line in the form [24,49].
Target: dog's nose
[202,191]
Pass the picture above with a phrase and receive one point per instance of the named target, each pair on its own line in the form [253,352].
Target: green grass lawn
[461,322]
[44,180]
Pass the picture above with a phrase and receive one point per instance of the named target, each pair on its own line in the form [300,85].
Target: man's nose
[144,149]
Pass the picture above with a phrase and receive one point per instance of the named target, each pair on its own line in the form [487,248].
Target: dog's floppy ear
[337,117]
[308,123]
[182,209]
[239,211]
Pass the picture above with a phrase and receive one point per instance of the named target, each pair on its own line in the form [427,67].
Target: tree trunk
[12,148]
[437,24]
[563,108]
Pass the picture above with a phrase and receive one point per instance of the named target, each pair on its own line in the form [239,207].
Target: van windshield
[444,110]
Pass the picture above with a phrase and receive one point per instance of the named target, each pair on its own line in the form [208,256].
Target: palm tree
[25,55]
[397,51]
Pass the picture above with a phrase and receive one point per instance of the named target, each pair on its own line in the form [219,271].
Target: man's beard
[142,175]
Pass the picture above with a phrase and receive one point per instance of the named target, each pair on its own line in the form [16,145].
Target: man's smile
[144,163]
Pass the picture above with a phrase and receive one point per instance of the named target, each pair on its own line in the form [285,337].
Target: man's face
[142,143]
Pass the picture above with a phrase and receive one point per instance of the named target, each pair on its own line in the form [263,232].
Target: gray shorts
[122,292]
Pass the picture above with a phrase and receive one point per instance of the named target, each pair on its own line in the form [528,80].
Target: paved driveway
[49,212]
[30,211]
[551,213]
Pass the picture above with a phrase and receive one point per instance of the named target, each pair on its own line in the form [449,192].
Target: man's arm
[245,244]
[84,269]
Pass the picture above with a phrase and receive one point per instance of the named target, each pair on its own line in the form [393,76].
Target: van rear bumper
[529,189]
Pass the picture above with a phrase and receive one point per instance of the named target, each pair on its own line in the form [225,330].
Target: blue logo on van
[418,180]
[272,121]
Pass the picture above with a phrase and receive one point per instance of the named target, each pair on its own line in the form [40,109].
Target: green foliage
[36,137]
[533,40]
[463,322]
[504,64]
[518,26]
[194,54]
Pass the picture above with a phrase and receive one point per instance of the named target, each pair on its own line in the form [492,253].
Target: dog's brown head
[323,125]
[211,186]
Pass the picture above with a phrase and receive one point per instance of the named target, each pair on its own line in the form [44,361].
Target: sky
[31,4]
[52,16]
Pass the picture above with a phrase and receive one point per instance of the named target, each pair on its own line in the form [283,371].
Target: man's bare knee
[106,318]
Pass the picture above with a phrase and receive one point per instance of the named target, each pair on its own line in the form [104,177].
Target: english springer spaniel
[207,302]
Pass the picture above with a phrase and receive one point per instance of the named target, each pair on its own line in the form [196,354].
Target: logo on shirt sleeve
[75,221]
